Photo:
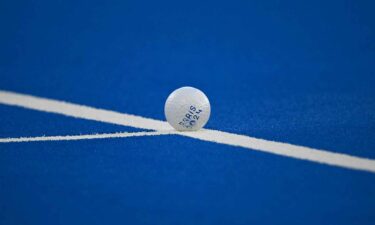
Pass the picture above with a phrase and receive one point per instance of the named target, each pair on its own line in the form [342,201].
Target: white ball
[187,109]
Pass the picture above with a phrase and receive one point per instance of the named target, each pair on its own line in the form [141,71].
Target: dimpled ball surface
[187,109]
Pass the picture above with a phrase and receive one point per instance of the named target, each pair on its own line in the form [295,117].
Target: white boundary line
[107,116]
[84,137]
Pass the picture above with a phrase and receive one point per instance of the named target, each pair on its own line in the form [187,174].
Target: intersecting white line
[85,136]
[107,116]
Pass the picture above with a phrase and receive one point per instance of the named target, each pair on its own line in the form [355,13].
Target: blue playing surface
[301,72]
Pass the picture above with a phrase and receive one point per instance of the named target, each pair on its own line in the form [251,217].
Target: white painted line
[80,111]
[85,136]
[284,149]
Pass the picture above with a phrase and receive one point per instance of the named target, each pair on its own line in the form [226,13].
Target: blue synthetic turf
[19,122]
[292,71]
[140,181]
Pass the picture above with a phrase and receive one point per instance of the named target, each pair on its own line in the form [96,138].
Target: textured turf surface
[289,71]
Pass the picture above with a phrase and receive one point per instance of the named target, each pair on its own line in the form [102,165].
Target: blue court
[297,72]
